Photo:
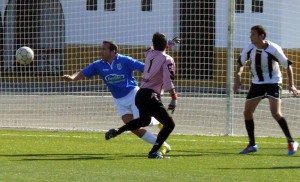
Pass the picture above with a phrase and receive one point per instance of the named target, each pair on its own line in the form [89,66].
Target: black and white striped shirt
[264,62]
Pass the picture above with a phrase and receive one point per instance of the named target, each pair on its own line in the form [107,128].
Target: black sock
[250,130]
[284,126]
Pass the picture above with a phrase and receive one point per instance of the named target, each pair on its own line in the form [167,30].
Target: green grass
[79,156]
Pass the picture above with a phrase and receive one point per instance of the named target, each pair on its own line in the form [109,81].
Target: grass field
[80,156]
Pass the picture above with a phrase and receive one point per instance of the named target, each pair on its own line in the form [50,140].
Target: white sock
[153,122]
[149,137]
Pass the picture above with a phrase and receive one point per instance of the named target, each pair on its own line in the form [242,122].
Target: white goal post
[66,35]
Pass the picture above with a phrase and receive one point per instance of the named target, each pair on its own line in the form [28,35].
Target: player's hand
[293,90]
[173,42]
[176,40]
[237,84]
[173,103]
[67,78]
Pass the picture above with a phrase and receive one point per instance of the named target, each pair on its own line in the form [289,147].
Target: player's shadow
[263,168]
[220,152]
[71,157]
[207,151]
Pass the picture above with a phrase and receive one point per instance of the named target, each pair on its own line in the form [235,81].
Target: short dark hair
[260,30]
[159,41]
[112,45]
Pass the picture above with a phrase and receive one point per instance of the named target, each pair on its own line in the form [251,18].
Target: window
[91,5]
[239,6]
[146,5]
[109,5]
[257,6]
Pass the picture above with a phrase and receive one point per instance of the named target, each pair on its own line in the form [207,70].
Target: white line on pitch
[185,140]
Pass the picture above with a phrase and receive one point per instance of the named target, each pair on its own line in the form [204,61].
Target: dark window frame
[91,5]
[146,5]
[109,5]
[239,6]
[257,6]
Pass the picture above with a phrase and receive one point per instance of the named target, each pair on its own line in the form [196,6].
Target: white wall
[290,27]
[127,25]
[280,18]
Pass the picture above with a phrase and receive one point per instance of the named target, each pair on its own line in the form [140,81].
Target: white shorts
[126,105]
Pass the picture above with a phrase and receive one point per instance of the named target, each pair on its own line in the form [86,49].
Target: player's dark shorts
[149,104]
[264,90]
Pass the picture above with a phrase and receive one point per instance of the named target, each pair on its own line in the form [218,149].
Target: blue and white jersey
[118,75]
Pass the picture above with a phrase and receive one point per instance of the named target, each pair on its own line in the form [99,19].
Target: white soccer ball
[24,55]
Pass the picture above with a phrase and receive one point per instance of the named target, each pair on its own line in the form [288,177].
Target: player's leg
[254,96]
[275,108]
[135,110]
[141,132]
[128,113]
[148,136]
[135,124]
[250,106]
[274,94]
[161,114]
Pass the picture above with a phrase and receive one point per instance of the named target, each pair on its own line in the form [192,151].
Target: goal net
[66,36]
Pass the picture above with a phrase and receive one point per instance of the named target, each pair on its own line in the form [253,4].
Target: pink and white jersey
[158,72]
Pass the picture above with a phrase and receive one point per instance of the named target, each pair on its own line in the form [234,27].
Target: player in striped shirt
[116,70]
[265,57]
[158,76]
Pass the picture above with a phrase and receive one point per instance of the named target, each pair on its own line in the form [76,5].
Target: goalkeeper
[116,70]
[157,76]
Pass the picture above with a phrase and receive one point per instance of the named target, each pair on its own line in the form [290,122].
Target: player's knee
[145,121]
[277,115]
[170,125]
[248,115]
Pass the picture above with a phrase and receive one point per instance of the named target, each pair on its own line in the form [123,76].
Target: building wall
[126,25]
[280,18]
[129,25]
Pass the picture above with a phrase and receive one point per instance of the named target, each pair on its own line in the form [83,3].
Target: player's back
[157,66]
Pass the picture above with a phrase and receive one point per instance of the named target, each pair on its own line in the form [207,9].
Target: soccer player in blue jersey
[265,57]
[116,70]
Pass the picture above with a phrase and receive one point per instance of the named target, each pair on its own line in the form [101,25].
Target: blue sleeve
[90,70]
[136,65]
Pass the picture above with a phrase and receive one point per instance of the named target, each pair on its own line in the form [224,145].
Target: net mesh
[66,36]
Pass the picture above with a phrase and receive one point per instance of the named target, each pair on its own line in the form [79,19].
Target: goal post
[66,36]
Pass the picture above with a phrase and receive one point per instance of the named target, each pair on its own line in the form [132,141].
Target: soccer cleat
[111,134]
[249,149]
[155,155]
[292,147]
[166,148]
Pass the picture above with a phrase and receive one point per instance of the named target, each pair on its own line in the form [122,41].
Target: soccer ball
[24,55]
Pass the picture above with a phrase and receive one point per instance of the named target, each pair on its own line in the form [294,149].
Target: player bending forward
[116,70]
[266,82]
[157,76]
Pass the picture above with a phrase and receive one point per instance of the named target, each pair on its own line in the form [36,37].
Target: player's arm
[291,84]
[280,56]
[237,77]
[87,72]
[168,85]
[241,62]
[74,77]
[173,102]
